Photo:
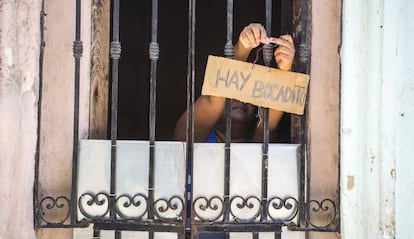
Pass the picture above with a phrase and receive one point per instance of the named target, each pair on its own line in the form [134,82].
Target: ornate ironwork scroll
[96,207]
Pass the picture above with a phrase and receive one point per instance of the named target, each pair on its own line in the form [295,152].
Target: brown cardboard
[256,84]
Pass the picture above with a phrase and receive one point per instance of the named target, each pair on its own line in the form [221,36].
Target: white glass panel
[283,179]
[165,235]
[134,235]
[245,180]
[208,178]
[132,172]
[170,178]
[93,174]
[132,175]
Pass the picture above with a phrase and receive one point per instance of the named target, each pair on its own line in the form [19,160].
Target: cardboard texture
[256,84]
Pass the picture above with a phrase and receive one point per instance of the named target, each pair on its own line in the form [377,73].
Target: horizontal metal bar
[313,229]
[239,227]
[77,225]
[131,226]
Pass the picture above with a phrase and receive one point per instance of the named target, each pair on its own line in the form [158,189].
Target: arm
[207,111]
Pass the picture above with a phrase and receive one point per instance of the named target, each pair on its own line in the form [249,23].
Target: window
[135,113]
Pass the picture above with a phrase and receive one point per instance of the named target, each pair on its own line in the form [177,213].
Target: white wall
[399,60]
[19,81]
[376,119]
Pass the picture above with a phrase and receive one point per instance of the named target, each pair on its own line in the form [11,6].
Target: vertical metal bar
[153,55]
[190,75]
[36,194]
[77,53]
[302,32]
[115,55]
[286,8]
[265,149]
[118,234]
[96,234]
[267,57]
[228,53]
[278,234]
[190,106]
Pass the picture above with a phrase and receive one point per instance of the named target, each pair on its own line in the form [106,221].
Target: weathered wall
[19,81]
[401,77]
[376,119]
[323,131]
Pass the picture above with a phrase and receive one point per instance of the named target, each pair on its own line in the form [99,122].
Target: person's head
[243,116]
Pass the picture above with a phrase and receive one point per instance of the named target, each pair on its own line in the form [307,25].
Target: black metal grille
[152,218]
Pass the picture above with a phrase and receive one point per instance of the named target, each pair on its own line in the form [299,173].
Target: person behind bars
[209,111]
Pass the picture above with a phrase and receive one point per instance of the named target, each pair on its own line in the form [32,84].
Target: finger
[284,62]
[285,50]
[251,38]
[285,56]
[282,42]
[246,37]
[287,38]
[256,34]
[259,32]
[263,35]
[282,56]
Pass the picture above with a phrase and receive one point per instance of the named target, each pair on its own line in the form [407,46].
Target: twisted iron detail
[267,54]
[77,49]
[115,50]
[304,53]
[229,50]
[154,51]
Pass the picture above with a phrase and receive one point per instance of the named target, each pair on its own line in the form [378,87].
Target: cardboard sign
[256,84]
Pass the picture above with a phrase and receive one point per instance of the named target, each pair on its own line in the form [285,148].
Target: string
[259,114]
[257,55]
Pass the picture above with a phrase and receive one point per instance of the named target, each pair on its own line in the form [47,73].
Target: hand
[285,52]
[252,35]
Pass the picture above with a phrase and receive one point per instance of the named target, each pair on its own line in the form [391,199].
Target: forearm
[241,53]
[207,111]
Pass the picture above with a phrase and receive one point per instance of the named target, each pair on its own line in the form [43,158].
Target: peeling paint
[393,173]
[351,182]
[8,56]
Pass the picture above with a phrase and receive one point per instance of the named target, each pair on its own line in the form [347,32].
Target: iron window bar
[62,203]
[116,220]
[154,222]
[300,206]
[190,105]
